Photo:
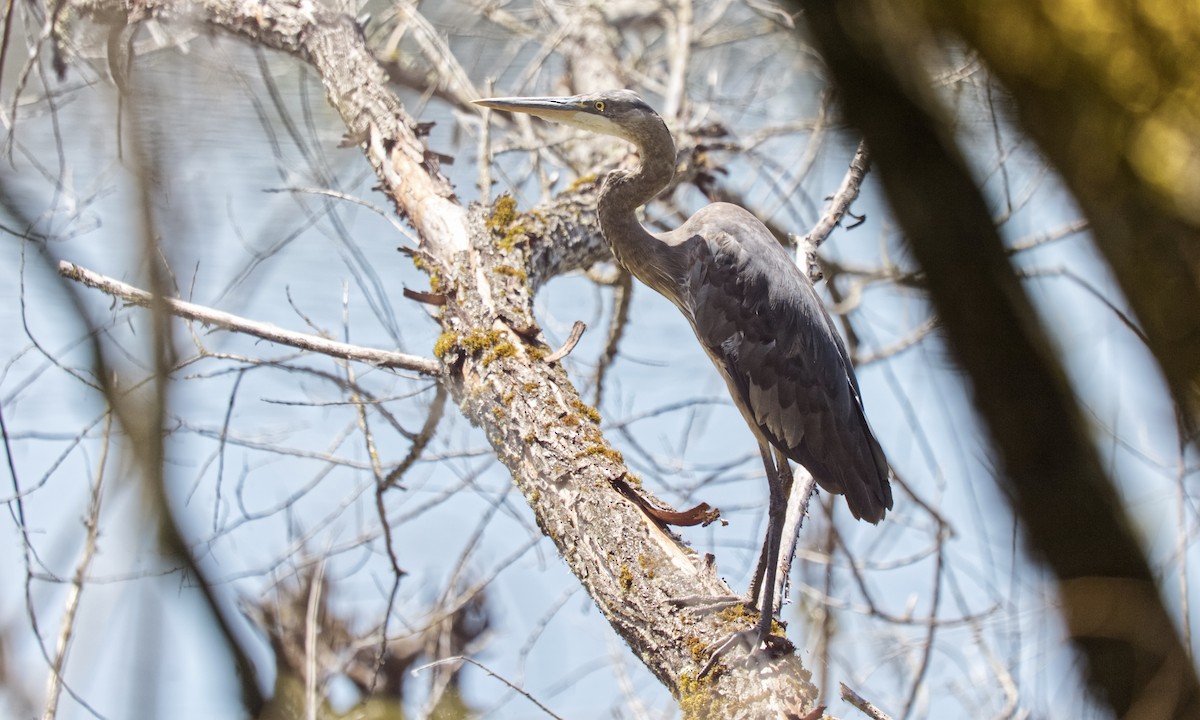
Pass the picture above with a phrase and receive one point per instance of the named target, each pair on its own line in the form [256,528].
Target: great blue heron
[755,313]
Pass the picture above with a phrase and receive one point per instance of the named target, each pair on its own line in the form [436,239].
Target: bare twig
[485,149]
[1027,243]
[910,340]
[863,704]
[311,628]
[622,296]
[75,594]
[266,331]
[573,340]
[839,205]
[421,441]
[481,666]
[338,195]
[681,28]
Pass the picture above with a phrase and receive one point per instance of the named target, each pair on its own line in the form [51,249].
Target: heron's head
[614,112]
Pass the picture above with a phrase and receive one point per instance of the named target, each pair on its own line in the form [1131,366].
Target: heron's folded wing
[762,323]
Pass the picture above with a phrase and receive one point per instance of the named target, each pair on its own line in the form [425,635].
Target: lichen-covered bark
[560,460]
[488,263]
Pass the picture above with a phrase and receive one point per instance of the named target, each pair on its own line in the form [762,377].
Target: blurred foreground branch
[1068,505]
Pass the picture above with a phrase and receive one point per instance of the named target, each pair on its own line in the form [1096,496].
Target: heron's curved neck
[624,192]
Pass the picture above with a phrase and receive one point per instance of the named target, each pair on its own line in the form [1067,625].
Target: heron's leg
[759,638]
[779,480]
[797,509]
[779,474]
[760,570]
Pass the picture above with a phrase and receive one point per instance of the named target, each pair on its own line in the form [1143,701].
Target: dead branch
[266,331]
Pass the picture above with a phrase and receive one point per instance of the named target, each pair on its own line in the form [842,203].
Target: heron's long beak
[558,109]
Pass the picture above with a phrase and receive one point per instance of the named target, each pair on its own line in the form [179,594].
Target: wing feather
[763,325]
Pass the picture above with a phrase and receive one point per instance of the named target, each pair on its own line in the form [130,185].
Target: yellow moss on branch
[504,222]
[518,273]
[476,341]
[614,455]
[504,212]
[647,566]
[500,350]
[696,699]
[445,344]
[580,182]
[585,410]
[491,344]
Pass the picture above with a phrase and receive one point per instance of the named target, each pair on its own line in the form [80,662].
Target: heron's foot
[761,645]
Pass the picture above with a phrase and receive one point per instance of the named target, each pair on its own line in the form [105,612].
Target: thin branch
[266,331]
[75,594]
[622,297]
[421,441]
[484,668]
[338,195]
[863,704]
[311,628]
[572,340]
[1028,243]
[839,205]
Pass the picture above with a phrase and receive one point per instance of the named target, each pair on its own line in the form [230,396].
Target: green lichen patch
[491,344]
[435,283]
[582,181]
[585,410]
[500,350]
[503,221]
[517,273]
[625,579]
[591,434]
[614,455]
[508,243]
[696,699]
[445,344]
[504,212]
[647,566]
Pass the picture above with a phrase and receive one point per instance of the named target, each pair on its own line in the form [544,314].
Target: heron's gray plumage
[760,320]
[755,313]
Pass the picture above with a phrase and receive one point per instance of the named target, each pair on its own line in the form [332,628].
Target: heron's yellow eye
[600,105]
